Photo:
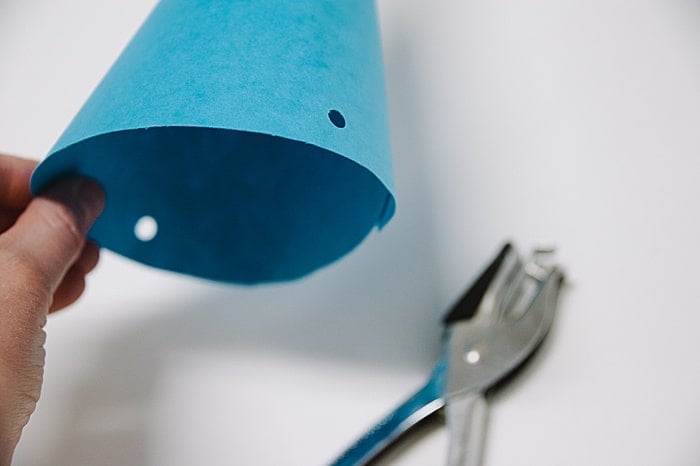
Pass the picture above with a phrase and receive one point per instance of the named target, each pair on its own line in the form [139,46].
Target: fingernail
[91,197]
[85,195]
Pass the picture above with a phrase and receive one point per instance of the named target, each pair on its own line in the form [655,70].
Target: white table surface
[543,122]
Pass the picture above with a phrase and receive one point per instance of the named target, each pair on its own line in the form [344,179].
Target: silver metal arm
[466,421]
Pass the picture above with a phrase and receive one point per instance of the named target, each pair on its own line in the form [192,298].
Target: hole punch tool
[489,333]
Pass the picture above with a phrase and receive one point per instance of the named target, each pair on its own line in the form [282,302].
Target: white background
[544,122]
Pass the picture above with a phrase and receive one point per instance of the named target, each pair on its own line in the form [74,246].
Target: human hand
[44,259]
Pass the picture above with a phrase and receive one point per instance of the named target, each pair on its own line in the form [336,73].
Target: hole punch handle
[425,402]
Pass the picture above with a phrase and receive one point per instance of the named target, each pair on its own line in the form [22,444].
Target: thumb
[49,235]
[35,254]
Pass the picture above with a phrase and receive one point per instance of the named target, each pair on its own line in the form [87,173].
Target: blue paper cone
[253,134]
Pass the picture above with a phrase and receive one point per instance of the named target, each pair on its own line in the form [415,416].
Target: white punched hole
[472,356]
[146,228]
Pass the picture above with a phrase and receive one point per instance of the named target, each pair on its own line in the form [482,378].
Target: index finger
[15,173]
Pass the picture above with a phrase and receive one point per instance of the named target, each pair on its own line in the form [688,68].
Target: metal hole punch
[489,333]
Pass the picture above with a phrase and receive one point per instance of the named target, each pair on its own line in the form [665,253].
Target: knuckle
[22,363]
[24,391]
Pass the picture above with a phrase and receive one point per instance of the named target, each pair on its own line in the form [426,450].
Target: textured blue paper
[253,132]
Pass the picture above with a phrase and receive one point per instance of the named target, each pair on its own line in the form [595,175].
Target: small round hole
[337,118]
[472,357]
[146,228]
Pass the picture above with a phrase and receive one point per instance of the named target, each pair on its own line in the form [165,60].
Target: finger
[89,257]
[15,173]
[69,290]
[8,217]
[49,235]
[73,284]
